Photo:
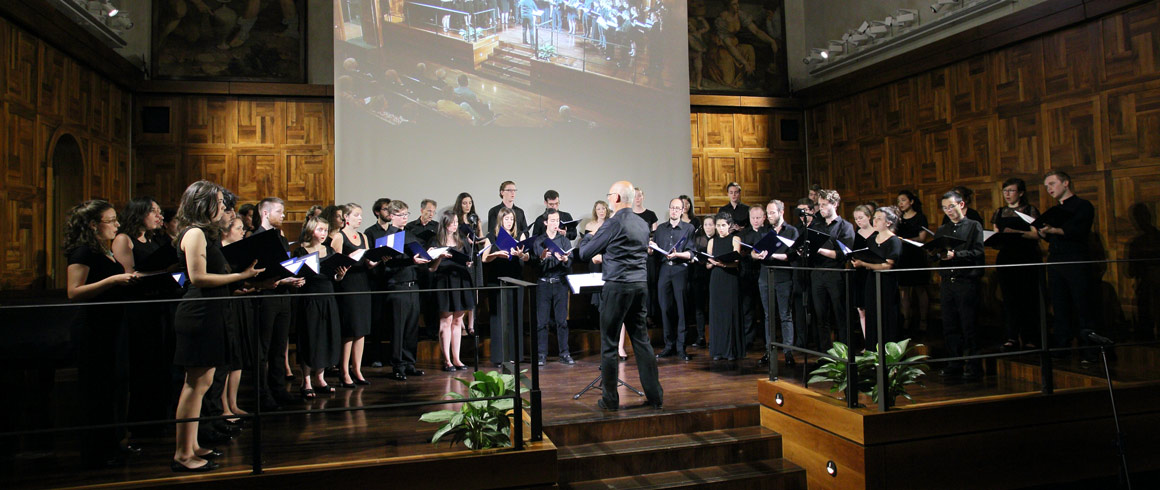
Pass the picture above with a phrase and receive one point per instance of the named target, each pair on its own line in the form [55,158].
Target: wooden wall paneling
[842,120]
[786,177]
[901,161]
[157,172]
[818,128]
[118,180]
[1133,230]
[210,122]
[21,67]
[899,110]
[22,217]
[971,90]
[100,170]
[1016,75]
[717,130]
[698,195]
[822,170]
[214,165]
[1017,143]
[932,98]
[51,82]
[846,161]
[869,112]
[719,169]
[1131,45]
[76,93]
[308,125]
[934,156]
[752,131]
[172,138]
[259,175]
[21,168]
[695,131]
[972,150]
[753,173]
[1072,137]
[120,108]
[260,122]
[99,107]
[1068,59]
[1132,132]
[870,161]
[308,179]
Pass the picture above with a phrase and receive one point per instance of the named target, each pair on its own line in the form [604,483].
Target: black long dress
[150,328]
[501,348]
[200,325]
[890,249]
[699,276]
[724,305]
[319,324]
[857,287]
[912,257]
[1019,286]
[452,274]
[241,331]
[356,308]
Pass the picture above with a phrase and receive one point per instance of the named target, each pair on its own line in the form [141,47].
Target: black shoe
[461,368]
[789,362]
[684,356]
[666,353]
[376,364]
[347,385]
[289,377]
[213,453]
[566,359]
[764,361]
[130,450]
[180,468]
[414,372]
[600,403]
[653,405]
[324,389]
[718,358]
[449,368]
[362,382]
[700,343]
[399,376]
[623,358]
[210,437]
[951,372]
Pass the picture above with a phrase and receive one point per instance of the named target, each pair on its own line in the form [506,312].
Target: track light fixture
[946,5]
[817,55]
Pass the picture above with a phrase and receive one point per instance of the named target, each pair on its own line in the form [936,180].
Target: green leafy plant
[471,34]
[546,51]
[479,424]
[898,377]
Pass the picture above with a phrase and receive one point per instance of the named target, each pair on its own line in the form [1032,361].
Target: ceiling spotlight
[878,29]
[855,38]
[946,5]
[113,11]
[905,17]
[837,47]
[817,55]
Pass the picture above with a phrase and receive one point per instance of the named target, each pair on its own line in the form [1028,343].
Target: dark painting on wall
[229,40]
[737,47]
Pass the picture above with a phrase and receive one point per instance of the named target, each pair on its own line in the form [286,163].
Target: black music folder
[999,239]
[866,255]
[813,237]
[264,246]
[942,243]
[1014,223]
[1056,217]
[161,259]
[725,258]
[332,262]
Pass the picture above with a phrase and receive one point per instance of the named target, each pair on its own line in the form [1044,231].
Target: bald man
[622,244]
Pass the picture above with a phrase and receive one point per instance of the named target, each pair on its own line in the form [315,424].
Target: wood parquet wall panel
[752,149]
[1084,99]
[45,93]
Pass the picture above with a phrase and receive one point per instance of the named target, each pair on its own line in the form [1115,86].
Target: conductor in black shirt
[622,243]
[507,196]
[959,293]
[739,210]
[1068,242]
[673,277]
[552,203]
[828,287]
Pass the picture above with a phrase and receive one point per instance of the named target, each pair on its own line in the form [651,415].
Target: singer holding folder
[673,242]
[450,274]
[1020,245]
[961,242]
[501,261]
[1067,240]
[777,255]
[829,292]
[884,250]
[401,275]
[724,291]
[554,264]
[319,324]
[622,243]
[356,309]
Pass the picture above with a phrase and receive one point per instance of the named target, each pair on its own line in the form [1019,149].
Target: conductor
[621,244]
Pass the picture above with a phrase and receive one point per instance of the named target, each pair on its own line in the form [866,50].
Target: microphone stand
[1125,476]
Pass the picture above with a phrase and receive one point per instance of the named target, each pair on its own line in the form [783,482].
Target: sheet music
[1025,217]
[358,254]
[911,242]
[987,234]
[658,248]
[577,281]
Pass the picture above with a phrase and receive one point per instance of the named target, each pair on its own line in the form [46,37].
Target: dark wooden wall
[254,146]
[1082,99]
[44,94]
[762,150]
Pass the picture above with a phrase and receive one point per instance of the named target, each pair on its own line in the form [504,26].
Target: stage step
[777,474]
[653,425]
[666,453]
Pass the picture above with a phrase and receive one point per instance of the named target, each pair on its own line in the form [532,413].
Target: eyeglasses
[401,215]
[949,208]
[677,208]
[513,189]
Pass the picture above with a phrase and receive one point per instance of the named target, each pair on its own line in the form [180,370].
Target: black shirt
[101,266]
[521,222]
[750,236]
[971,215]
[375,232]
[969,253]
[790,233]
[911,227]
[838,229]
[402,270]
[648,216]
[540,227]
[623,239]
[550,266]
[1073,243]
[1019,251]
[667,236]
[740,213]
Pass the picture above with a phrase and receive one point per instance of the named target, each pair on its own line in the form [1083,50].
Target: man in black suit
[552,203]
[622,244]
[507,196]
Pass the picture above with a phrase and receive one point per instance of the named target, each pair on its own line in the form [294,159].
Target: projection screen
[434,98]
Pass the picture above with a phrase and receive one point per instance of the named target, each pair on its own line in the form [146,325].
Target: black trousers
[803,308]
[552,308]
[503,336]
[1020,288]
[959,297]
[405,325]
[380,326]
[274,333]
[751,306]
[626,303]
[700,300]
[829,295]
[672,283]
[1070,303]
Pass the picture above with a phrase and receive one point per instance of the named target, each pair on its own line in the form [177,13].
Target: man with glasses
[676,238]
[402,275]
[552,203]
[959,292]
[507,196]
[426,224]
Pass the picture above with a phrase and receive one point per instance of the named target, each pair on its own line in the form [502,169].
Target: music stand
[586,283]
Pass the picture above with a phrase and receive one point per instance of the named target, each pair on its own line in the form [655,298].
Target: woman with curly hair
[95,276]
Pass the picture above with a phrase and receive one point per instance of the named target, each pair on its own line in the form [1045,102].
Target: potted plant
[898,377]
[546,51]
[480,424]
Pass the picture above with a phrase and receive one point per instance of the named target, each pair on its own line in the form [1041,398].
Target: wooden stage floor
[366,436]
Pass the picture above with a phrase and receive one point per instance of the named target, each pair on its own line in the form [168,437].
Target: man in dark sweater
[959,292]
[1067,242]
[739,210]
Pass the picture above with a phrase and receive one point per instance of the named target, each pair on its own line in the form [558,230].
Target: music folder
[1015,223]
[422,234]
[161,259]
[458,257]
[329,266]
[1055,217]
[390,246]
[866,255]
[590,282]
[555,248]
[768,243]
[813,237]
[505,242]
[264,246]
[942,243]
[297,266]
[161,280]
[1000,239]
[569,224]
[725,258]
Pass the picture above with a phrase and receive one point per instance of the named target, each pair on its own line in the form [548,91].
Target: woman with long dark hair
[724,291]
[469,224]
[95,276]
[200,325]
[497,264]
[449,274]
[320,342]
[912,292]
[1019,286]
[355,309]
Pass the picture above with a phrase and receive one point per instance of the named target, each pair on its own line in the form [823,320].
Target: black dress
[859,275]
[912,257]
[319,324]
[724,305]
[101,372]
[890,249]
[242,342]
[200,325]
[1019,286]
[150,328]
[452,274]
[356,308]
[699,276]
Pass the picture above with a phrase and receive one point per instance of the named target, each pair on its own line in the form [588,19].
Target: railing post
[883,397]
[770,301]
[851,366]
[1046,373]
[256,429]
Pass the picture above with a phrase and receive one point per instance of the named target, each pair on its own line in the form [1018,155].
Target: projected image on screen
[508,63]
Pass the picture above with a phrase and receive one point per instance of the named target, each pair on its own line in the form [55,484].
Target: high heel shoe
[324,389]
[449,368]
[362,382]
[347,385]
[180,468]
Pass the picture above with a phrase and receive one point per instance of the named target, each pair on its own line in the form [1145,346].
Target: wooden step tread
[645,424]
[668,442]
[772,473]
